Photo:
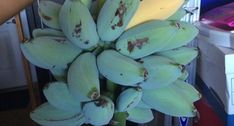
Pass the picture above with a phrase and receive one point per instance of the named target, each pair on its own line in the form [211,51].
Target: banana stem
[119,118]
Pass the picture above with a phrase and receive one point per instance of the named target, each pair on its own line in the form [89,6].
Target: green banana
[186,33]
[83,81]
[167,100]
[143,105]
[140,115]
[184,75]
[45,52]
[146,38]
[48,115]
[128,99]
[178,15]
[186,90]
[87,3]
[181,55]
[161,72]
[120,69]
[46,32]
[114,17]
[99,112]
[60,74]
[49,13]
[58,95]
[155,36]
[77,24]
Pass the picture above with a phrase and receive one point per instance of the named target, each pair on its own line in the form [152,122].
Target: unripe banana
[83,81]
[178,15]
[186,90]
[60,74]
[114,18]
[184,75]
[154,9]
[120,69]
[140,115]
[161,72]
[167,100]
[47,32]
[58,95]
[146,38]
[181,55]
[99,112]
[143,105]
[49,13]
[87,3]
[128,99]
[48,115]
[45,52]
[185,34]
[77,24]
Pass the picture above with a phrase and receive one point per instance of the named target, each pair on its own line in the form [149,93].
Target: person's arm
[9,8]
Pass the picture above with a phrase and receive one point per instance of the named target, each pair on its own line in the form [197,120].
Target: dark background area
[207,5]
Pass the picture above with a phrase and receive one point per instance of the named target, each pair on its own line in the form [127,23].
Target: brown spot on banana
[120,13]
[137,43]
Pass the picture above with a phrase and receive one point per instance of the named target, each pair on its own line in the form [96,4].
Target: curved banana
[140,115]
[46,52]
[186,90]
[82,78]
[114,17]
[49,13]
[181,55]
[78,24]
[178,15]
[146,38]
[167,100]
[154,9]
[48,115]
[128,99]
[99,112]
[58,95]
[143,105]
[155,36]
[46,32]
[161,72]
[120,69]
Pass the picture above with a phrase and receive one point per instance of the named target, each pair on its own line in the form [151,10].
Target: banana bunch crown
[112,59]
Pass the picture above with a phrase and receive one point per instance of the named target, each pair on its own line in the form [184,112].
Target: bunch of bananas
[130,60]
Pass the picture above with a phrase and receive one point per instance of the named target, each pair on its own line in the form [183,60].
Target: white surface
[11,67]
[216,69]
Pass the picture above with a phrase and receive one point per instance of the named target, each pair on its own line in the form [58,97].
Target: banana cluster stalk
[119,66]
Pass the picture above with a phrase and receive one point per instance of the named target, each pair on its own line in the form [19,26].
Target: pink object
[221,17]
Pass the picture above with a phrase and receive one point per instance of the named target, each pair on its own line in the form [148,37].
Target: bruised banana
[146,38]
[114,17]
[128,99]
[155,36]
[47,32]
[49,13]
[99,112]
[83,80]
[46,52]
[58,95]
[181,55]
[186,90]
[154,9]
[169,101]
[77,24]
[120,69]
[140,115]
[161,72]
[47,115]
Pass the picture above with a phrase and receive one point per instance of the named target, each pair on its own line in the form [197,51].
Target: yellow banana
[154,9]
